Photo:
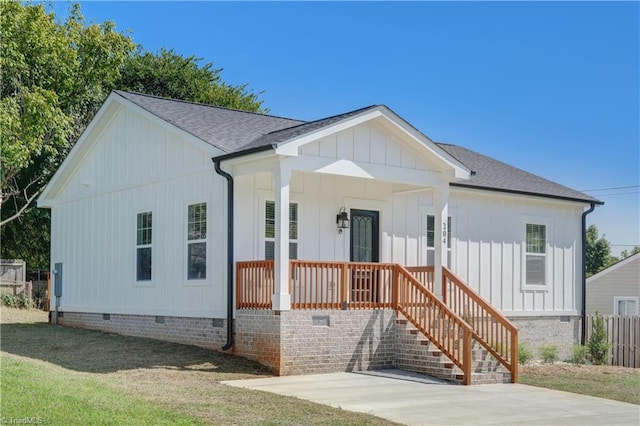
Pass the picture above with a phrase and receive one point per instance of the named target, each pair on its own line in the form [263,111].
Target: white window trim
[149,283]
[618,299]
[548,255]
[203,282]
[262,228]
[424,239]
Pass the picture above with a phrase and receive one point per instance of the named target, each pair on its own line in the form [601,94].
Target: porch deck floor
[413,399]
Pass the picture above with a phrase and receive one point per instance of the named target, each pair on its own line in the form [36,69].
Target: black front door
[365,247]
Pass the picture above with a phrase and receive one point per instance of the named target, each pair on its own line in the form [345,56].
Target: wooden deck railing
[435,320]
[451,323]
[424,275]
[491,329]
[254,284]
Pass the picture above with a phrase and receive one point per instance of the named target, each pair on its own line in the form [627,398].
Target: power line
[617,193]
[611,189]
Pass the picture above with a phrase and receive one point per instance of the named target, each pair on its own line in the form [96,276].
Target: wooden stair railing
[446,330]
[451,324]
[490,327]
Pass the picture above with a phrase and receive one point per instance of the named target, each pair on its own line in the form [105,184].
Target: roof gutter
[583,334]
[519,192]
[229,344]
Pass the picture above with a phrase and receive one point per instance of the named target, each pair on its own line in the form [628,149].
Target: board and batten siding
[136,166]
[488,234]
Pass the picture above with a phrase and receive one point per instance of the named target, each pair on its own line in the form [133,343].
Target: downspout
[229,179]
[584,273]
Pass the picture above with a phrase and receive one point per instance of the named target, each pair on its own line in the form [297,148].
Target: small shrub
[524,354]
[9,300]
[549,353]
[598,343]
[13,301]
[578,354]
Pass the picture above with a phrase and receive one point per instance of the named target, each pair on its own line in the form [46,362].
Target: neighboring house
[616,290]
[156,239]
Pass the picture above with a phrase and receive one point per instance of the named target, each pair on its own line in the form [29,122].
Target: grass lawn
[69,376]
[604,381]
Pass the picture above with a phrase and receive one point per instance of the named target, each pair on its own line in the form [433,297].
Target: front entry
[365,247]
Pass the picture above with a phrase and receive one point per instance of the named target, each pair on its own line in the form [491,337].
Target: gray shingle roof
[236,132]
[495,175]
[301,129]
[227,129]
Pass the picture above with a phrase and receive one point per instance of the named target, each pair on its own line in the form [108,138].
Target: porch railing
[435,320]
[451,323]
[424,275]
[491,329]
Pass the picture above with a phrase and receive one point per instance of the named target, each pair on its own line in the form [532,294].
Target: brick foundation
[205,332]
[562,331]
[313,341]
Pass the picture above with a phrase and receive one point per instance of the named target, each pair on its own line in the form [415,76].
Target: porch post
[441,205]
[281,299]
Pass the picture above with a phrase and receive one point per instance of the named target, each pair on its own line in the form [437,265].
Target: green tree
[598,252]
[171,75]
[54,76]
[598,344]
[624,253]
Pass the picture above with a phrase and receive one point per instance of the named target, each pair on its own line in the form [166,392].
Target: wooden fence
[624,337]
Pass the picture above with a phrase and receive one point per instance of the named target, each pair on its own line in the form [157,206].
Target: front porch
[361,315]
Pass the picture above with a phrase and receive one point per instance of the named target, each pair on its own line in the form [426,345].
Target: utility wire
[611,189]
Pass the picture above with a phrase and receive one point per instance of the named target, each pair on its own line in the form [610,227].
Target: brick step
[417,353]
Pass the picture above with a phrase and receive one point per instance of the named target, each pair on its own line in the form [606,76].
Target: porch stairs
[417,353]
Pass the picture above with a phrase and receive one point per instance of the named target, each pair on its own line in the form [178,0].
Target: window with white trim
[270,230]
[431,240]
[197,241]
[536,254]
[625,306]
[143,246]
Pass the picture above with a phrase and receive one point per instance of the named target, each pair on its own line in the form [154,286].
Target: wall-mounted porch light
[342,220]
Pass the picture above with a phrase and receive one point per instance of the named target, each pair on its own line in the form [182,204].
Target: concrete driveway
[413,399]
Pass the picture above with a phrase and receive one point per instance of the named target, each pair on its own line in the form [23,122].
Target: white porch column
[441,205]
[281,297]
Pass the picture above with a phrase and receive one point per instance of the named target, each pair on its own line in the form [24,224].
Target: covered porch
[325,221]
[457,324]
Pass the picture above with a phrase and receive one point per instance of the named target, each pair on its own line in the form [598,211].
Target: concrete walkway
[413,399]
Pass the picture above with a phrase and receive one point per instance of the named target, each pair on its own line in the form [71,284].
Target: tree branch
[24,207]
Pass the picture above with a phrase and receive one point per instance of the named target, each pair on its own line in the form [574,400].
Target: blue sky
[552,88]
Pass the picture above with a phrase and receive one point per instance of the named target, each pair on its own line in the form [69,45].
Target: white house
[615,290]
[178,221]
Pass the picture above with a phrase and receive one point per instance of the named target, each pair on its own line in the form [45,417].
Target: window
[536,254]
[270,230]
[431,240]
[196,242]
[625,306]
[143,246]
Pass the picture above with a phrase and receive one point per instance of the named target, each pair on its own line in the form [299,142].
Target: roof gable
[233,133]
[621,264]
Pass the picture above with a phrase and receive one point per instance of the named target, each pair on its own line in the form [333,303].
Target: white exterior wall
[488,234]
[137,166]
[489,251]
